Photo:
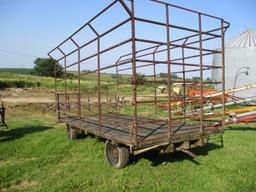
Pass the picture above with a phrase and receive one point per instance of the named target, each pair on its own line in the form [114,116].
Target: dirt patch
[26,184]
[28,100]
[3,163]
[19,96]
[22,185]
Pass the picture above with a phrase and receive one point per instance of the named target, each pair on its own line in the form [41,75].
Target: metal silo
[240,61]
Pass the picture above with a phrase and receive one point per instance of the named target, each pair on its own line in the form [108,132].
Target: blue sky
[30,28]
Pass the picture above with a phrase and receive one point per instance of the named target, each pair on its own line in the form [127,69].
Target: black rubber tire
[72,133]
[117,156]
[81,134]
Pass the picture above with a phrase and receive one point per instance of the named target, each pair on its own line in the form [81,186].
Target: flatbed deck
[150,132]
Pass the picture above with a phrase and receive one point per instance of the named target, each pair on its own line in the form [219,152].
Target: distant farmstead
[240,63]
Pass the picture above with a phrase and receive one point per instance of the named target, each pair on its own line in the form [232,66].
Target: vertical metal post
[68,99]
[201,75]
[98,78]
[107,94]
[117,83]
[169,71]
[78,78]
[56,91]
[58,105]
[89,102]
[154,71]
[65,82]
[99,87]
[134,73]
[223,72]
[79,83]
[184,83]
[55,77]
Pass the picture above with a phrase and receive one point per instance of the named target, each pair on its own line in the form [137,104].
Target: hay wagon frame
[120,112]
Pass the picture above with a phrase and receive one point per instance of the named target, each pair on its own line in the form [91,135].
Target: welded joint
[73,41]
[94,30]
[61,51]
[125,7]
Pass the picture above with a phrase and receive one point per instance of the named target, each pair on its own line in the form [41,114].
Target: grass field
[88,83]
[10,80]
[37,156]
[15,70]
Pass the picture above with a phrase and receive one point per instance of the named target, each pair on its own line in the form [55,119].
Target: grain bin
[240,63]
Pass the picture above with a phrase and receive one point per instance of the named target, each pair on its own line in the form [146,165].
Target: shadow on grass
[13,134]
[158,159]
[245,128]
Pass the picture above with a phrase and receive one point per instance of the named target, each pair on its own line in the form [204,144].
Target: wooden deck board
[117,128]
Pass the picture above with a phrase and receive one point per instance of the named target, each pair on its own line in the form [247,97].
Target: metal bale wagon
[116,66]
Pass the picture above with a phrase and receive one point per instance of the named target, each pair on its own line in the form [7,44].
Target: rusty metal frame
[136,57]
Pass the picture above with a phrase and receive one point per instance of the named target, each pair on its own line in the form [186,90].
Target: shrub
[46,67]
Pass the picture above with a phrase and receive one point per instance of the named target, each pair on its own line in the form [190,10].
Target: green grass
[8,80]
[88,83]
[37,156]
[15,70]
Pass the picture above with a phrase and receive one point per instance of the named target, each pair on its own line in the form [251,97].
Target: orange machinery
[193,93]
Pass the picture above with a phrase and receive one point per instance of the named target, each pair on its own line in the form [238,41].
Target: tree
[116,76]
[196,78]
[141,78]
[46,67]
[165,75]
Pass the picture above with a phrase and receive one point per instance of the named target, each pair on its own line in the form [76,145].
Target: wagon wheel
[81,133]
[72,133]
[116,155]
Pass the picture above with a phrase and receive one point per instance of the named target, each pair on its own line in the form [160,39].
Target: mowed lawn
[35,155]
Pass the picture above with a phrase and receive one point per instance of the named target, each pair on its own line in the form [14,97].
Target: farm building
[240,63]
